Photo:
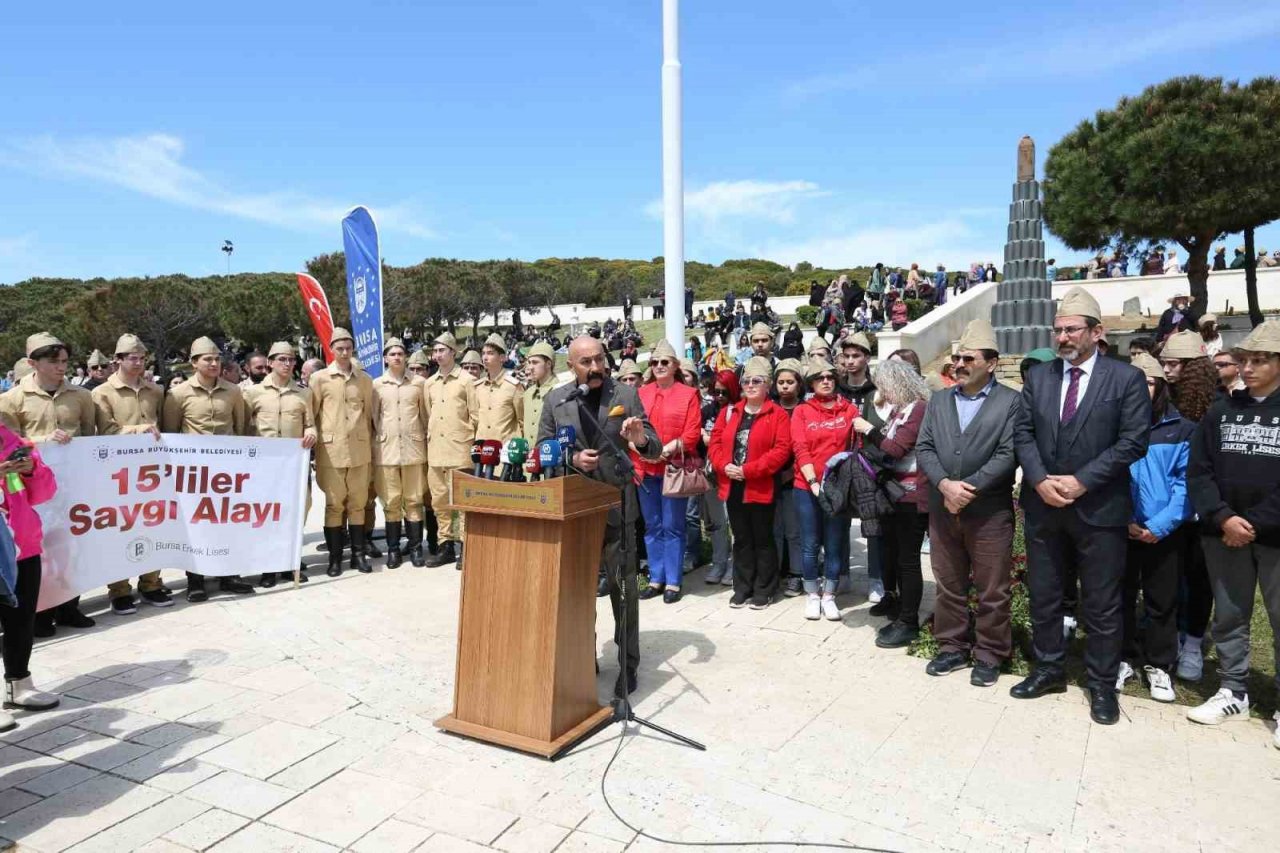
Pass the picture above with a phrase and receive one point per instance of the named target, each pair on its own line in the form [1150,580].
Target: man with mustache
[595,456]
[966,451]
[1083,421]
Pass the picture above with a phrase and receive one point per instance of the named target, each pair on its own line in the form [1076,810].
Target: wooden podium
[526,626]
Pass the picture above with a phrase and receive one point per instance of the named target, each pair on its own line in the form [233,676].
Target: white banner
[129,504]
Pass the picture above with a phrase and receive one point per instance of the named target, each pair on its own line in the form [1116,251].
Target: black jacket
[1235,465]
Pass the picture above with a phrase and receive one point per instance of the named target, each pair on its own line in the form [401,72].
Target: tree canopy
[1187,161]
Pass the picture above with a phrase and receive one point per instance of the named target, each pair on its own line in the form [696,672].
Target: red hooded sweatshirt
[818,433]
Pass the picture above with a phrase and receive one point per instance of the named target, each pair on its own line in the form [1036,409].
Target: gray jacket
[982,456]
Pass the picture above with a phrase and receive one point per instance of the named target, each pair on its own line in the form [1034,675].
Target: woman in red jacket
[902,388]
[821,427]
[674,410]
[750,443]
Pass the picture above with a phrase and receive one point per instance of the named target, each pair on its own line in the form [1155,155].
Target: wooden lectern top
[560,499]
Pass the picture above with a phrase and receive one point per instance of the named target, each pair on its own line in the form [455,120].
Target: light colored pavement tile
[79,812]
[392,836]
[59,779]
[307,706]
[169,756]
[270,749]
[179,700]
[279,678]
[180,777]
[100,752]
[314,769]
[53,739]
[13,799]
[144,827]
[441,843]
[585,842]
[355,726]
[165,734]
[160,845]
[204,831]
[456,817]
[118,723]
[17,765]
[261,838]
[530,835]
[239,794]
[344,807]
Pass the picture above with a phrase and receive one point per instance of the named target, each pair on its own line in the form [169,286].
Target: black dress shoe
[268,580]
[602,587]
[236,585]
[44,626]
[896,635]
[630,683]
[446,555]
[984,674]
[1041,682]
[73,618]
[945,663]
[671,596]
[302,573]
[651,592]
[1104,706]
[197,595]
[889,606]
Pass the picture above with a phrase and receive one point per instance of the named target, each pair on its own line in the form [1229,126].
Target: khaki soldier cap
[1208,318]
[280,348]
[1264,338]
[757,366]
[1078,302]
[495,340]
[857,339]
[130,345]
[818,342]
[392,342]
[204,346]
[97,359]
[420,357]
[663,349]
[629,368]
[22,367]
[760,329]
[818,366]
[40,340]
[791,364]
[472,357]
[542,348]
[448,340]
[1147,365]
[340,334]
[687,364]
[978,335]
[1186,344]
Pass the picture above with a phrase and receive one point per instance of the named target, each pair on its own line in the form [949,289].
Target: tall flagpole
[672,175]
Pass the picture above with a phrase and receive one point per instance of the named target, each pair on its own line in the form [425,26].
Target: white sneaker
[1160,684]
[813,606]
[876,595]
[1068,626]
[1275,737]
[1222,706]
[20,693]
[1126,672]
[829,609]
[1191,660]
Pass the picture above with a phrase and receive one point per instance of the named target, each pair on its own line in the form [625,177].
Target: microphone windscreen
[549,453]
[489,453]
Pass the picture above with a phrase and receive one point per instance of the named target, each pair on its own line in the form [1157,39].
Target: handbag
[684,478]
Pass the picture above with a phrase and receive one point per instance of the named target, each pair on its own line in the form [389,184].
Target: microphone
[477,465]
[568,437]
[517,452]
[505,460]
[579,392]
[489,457]
[549,454]
[533,466]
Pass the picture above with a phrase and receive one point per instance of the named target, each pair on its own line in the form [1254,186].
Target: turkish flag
[318,310]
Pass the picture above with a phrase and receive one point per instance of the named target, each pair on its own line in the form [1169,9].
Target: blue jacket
[1159,479]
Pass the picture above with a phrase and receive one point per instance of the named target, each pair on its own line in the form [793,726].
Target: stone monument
[1023,313]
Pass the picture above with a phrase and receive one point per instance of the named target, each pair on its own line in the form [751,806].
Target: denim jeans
[786,530]
[708,509]
[817,530]
[664,526]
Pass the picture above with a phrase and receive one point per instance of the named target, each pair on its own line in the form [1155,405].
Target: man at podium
[605,416]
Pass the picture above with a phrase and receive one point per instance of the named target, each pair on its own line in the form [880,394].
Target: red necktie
[1073,395]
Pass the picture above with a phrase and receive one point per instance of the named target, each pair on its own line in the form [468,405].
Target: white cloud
[772,201]
[16,247]
[952,242]
[152,165]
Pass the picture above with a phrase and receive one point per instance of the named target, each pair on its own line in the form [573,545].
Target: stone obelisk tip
[1026,159]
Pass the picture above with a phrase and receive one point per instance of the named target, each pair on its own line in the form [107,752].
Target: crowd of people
[1147,489]
[1156,261]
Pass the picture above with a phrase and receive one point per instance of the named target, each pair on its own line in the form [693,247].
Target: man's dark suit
[1108,433]
[558,411]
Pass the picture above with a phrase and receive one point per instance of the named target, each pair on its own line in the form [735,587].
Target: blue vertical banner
[364,286]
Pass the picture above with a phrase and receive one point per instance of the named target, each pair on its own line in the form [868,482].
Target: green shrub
[807,315]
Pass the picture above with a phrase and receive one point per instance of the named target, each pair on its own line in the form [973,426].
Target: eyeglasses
[1069,331]
[721,392]
[98,367]
[754,380]
[826,377]
[967,359]
[664,362]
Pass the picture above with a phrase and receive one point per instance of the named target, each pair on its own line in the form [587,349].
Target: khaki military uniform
[192,409]
[343,410]
[500,409]
[534,397]
[121,410]
[35,414]
[276,411]
[400,452]
[452,415]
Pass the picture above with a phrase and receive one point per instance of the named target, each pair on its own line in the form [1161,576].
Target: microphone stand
[623,712]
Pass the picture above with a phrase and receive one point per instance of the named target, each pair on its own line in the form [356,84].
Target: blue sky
[135,137]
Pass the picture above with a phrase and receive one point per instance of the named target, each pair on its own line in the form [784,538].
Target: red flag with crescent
[317,305]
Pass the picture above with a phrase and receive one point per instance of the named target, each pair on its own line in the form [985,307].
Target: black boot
[268,580]
[302,573]
[445,555]
[393,544]
[433,533]
[370,550]
[413,530]
[333,538]
[359,557]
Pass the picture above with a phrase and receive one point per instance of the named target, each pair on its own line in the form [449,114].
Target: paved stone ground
[302,720]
